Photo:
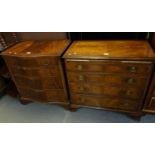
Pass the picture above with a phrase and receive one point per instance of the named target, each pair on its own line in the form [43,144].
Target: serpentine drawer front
[36,69]
[109,74]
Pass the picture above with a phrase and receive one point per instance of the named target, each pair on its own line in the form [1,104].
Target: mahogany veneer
[114,75]
[37,71]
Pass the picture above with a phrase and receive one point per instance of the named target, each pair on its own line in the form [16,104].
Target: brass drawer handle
[131,80]
[132,69]
[81,78]
[79,67]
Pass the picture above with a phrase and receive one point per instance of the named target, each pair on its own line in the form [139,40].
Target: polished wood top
[38,48]
[117,49]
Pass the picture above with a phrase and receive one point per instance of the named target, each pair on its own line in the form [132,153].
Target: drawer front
[123,92]
[43,96]
[109,79]
[109,67]
[35,72]
[39,83]
[32,61]
[94,101]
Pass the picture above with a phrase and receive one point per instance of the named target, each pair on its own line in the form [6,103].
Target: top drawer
[109,67]
[32,61]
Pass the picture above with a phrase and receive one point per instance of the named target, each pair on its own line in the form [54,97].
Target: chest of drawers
[109,74]
[37,71]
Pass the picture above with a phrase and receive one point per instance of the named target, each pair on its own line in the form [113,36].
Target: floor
[11,111]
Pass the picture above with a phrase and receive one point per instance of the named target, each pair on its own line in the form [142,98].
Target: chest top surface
[38,48]
[110,50]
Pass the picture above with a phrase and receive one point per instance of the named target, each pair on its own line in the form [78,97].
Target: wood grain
[36,69]
[109,74]
[38,48]
[118,49]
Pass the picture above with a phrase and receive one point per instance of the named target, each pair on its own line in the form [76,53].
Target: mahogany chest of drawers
[113,75]
[37,71]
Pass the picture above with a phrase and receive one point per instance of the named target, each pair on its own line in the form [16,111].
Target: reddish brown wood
[102,66]
[112,75]
[108,79]
[120,49]
[36,69]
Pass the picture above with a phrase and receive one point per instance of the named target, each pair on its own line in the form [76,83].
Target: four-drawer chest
[113,75]
[37,71]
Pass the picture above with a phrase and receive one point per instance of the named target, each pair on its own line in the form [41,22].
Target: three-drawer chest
[37,71]
[113,75]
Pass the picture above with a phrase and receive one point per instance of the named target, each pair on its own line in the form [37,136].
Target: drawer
[109,67]
[123,92]
[87,100]
[35,72]
[109,79]
[43,96]
[32,61]
[39,83]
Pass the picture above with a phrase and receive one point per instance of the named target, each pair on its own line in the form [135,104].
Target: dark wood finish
[30,49]
[40,83]
[105,102]
[128,67]
[36,69]
[112,75]
[33,62]
[47,96]
[123,50]
[149,105]
[108,79]
[107,90]
[7,39]
[24,36]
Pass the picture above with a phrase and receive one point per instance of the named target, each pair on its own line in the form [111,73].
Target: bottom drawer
[55,95]
[105,102]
